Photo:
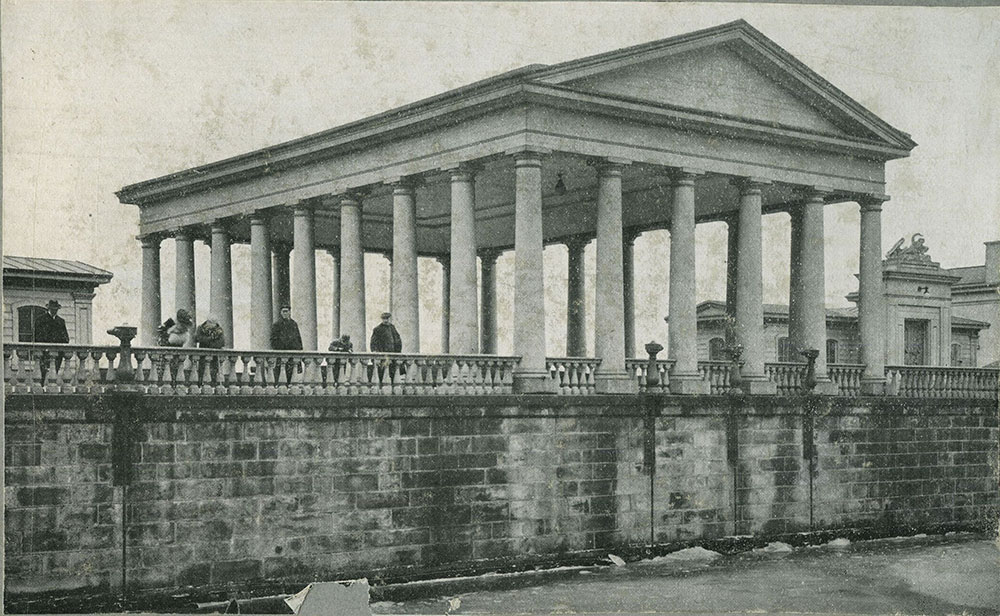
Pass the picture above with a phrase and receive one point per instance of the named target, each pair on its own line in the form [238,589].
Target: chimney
[993,261]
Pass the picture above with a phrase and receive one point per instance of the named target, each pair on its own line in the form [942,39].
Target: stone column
[488,300]
[811,296]
[335,294]
[150,313]
[261,315]
[304,286]
[352,273]
[732,258]
[871,297]
[464,309]
[683,325]
[445,302]
[221,296]
[531,374]
[628,280]
[282,276]
[403,302]
[796,341]
[750,289]
[609,314]
[184,295]
[576,297]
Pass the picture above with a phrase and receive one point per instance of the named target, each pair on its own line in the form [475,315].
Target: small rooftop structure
[30,282]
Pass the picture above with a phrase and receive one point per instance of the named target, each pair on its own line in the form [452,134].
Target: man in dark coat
[51,328]
[385,339]
[285,337]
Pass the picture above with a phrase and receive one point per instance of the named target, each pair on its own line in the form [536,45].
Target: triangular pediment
[732,71]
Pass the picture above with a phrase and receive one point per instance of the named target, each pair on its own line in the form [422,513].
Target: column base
[688,384]
[826,387]
[758,386]
[534,383]
[873,387]
[615,383]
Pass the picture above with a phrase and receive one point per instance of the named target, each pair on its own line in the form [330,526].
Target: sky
[97,95]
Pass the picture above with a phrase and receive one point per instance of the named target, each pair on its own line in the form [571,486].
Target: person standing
[285,337]
[51,328]
[385,339]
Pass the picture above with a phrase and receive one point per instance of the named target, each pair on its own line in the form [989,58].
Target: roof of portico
[794,108]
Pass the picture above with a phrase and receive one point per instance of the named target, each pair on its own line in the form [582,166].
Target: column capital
[813,194]
[405,184]
[681,176]
[872,203]
[464,171]
[578,241]
[385,253]
[259,217]
[490,255]
[281,248]
[528,157]
[185,233]
[444,260]
[629,235]
[352,197]
[150,240]
[750,185]
[334,252]
[608,166]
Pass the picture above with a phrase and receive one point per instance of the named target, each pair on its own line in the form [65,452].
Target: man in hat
[385,339]
[51,328]
[285,337]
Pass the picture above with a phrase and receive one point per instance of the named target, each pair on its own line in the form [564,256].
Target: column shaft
[184,286]
[488,301]
[261,315]
[609,313]
[464,311]
[352,274]
[150,313]
[750,290]
[811,301]
[628,283]
[732,259]
[282,276]
[304,287]
[796,340]
[576,298]
[871,300]
[531,375]
[445,303]
[683,325]
[335,295]
[403,297]
[221,296]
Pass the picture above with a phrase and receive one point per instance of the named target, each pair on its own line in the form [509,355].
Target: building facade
[976,295]
[29,283]
[715,125]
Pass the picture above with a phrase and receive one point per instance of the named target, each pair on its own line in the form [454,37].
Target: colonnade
[466,304]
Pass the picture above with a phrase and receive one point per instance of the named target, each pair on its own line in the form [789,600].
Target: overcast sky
[97,95]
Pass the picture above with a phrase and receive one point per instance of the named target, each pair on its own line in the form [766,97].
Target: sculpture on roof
[916,252]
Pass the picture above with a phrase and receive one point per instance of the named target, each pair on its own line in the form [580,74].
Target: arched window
[26,316]
[831,351]
[784,350]
[717,349]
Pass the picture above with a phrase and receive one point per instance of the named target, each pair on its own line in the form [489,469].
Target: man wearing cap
[385,339]
[285,337]
[50,327]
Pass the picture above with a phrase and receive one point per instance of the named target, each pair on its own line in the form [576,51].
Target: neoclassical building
[715,125]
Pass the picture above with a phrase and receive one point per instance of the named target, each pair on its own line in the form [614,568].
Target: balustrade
[46,368]
[573,375]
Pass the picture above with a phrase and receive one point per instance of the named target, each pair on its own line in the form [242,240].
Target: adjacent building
[29,283]
[976,295]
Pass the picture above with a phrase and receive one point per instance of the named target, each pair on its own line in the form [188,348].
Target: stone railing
[573,375]
[942,382]
[174,371]
[41,368]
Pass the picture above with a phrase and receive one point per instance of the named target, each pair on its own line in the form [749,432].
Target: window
[784,349]
[717,349]
[26,316]
[831,351]
[956,354]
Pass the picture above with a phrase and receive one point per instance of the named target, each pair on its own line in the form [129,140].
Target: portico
[719,124]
